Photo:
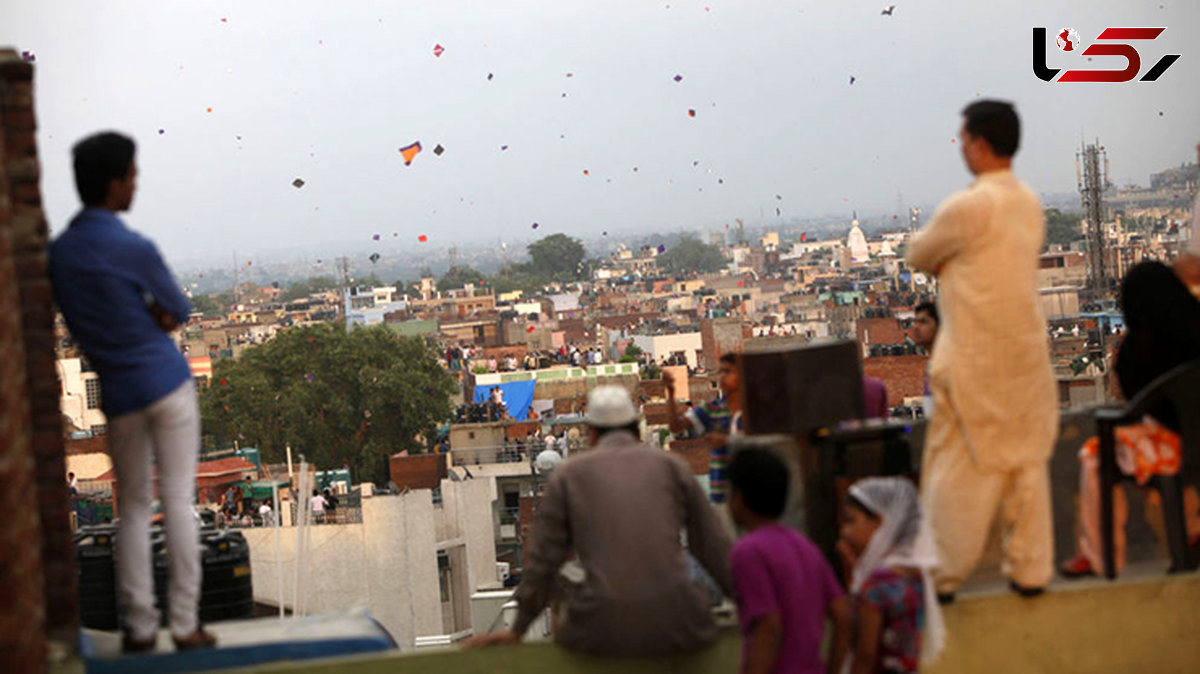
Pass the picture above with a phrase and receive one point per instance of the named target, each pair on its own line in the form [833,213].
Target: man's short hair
[99,160]
[762,480]
[997,123]
[929,308]
[634,429]
[729,358]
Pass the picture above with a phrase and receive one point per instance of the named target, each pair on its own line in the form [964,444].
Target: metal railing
[513,453]
[342,515]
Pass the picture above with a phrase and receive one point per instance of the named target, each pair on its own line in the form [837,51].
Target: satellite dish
[547,461]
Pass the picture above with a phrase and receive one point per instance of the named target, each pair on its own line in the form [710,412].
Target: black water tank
[226,591]
[94,554]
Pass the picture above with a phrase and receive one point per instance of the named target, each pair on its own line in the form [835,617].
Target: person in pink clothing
[785,589]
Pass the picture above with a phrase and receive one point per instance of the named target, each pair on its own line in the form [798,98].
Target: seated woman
[1162,321]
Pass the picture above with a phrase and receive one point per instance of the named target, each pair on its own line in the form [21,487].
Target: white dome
[857,243]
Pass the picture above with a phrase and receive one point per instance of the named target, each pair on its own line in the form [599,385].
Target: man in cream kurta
[995,404]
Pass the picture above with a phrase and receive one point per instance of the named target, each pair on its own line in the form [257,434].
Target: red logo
[1068,40]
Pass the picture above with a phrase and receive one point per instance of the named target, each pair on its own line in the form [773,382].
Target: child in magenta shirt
[784,587]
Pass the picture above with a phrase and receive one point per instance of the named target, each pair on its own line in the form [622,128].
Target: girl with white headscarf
[891,548]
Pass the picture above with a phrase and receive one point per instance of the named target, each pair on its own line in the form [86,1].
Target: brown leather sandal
[195,640]
[130,645]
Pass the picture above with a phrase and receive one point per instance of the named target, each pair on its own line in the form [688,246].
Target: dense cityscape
[678,337]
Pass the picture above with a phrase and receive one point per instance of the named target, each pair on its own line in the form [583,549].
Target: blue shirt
[105,277]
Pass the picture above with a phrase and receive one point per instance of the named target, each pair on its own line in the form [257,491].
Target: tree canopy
[458,277]
[338,398]
[302,289]
[691,255]
[1061,228]
[207,305]
[557,256]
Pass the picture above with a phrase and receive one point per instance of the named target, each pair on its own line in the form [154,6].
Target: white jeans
[168,431]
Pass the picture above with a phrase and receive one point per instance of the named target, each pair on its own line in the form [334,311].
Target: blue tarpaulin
[518,396]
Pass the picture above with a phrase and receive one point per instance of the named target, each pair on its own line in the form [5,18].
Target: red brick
[422,471]
[904,376]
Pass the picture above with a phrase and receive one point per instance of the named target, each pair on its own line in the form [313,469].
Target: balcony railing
[475,456]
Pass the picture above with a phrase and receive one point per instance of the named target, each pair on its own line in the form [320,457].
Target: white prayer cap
[610,407]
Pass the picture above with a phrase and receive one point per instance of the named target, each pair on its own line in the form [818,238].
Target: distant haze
[329,93]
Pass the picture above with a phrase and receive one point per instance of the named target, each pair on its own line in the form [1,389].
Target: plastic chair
[1179,388]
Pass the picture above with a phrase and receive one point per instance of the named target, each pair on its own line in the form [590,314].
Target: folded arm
[167,300]
[953,225]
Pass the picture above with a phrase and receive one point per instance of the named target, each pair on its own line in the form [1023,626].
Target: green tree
[690,255]
[1061,228]
[632,354]
[302,289]
[207,305]
[557,256]
[458,277]
[338,398]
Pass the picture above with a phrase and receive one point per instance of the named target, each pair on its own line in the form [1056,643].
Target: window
[99,429]
[443,562]
[92,389]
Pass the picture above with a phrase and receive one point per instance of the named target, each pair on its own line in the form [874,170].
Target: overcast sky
[329,91]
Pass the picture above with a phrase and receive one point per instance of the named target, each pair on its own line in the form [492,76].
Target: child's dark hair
[729,358]
[852,500]
[762,479]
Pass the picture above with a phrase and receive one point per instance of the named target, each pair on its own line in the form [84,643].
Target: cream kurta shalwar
[995,404]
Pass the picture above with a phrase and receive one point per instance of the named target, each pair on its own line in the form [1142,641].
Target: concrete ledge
[1096,626]
[1128,626]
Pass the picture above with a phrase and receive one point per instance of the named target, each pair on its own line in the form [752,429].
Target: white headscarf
[904,538]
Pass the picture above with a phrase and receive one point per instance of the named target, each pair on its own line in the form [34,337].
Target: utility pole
[235,279]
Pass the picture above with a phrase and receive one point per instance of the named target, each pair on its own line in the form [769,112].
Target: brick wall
[720,336]
[423,471]
[904,376]
[37,578]
[695,452]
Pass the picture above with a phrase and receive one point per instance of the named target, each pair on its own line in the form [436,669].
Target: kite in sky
[374,258]
[409,152]
[375,237]
[297,183]
[535,225]
[439,150]
[887,11]
[691,113]
[679,78]
[661,249]
[438,49]
[422,238]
